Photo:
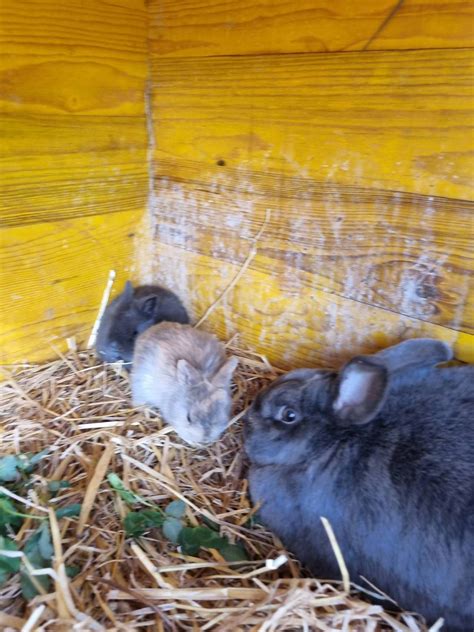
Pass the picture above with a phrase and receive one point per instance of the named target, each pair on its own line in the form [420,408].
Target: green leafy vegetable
[34,459]
[137,523]
[8,564]
[39,551]
[9,514]
[55,486]
[69,511]
[176,509]
[172,528]
[12,465]
[188,541]
[9,468]
[233,552]
[128,496]
[192,539]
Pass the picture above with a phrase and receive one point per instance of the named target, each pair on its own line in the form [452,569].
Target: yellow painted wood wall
[344,129]
[74,178]
[159,140]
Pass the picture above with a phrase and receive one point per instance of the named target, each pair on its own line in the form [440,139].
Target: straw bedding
[80,410]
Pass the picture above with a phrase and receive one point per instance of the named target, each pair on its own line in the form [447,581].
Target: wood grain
[387,120]
[52,278]
[58,167]
[364,163]
[200,28]
[74,175]
[404,253]
[293,324]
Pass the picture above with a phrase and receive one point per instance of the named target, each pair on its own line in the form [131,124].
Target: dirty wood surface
[361,162]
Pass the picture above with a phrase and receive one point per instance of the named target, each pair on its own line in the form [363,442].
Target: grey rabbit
[384,450]
[131,313]
[184,372]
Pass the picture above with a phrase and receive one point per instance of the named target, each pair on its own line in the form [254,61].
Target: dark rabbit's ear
[361,390]
[147,305]
[128,290]
[415,353]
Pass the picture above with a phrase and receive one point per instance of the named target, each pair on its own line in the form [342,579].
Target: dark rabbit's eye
[288,415]
[189,419]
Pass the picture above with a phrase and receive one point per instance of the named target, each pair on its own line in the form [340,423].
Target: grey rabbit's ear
[224,374]
[415,353]
[128,290]
[303,374]
[187,375]
[147,305]
[361,390]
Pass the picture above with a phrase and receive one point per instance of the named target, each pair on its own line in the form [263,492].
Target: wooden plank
[386,120]
[58,167]
[200,28]
[74,163]
[52,277]
[364,163]
[293,325]
[403,253]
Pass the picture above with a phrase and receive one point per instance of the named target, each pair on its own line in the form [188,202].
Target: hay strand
[80,410]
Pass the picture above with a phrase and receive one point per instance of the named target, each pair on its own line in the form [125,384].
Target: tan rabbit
[184,373]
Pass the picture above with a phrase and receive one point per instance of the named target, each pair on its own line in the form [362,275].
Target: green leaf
[45,545]
[34,459]
[39,545]
[188,542]
[208,538]
[4,576]
[39,551]
[8,564]
[192,539]
[72,571]
[55,486]
[176,509]
[233,552]
[137,523]
[69,511]
[8,514]
[128,496]
[9,468]
[28,589]
[172,528]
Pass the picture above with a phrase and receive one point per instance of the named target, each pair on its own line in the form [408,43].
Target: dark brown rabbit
[131,313]
[385,451]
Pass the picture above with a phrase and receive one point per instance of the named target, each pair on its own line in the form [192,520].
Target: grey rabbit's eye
[189,418]
[287,415]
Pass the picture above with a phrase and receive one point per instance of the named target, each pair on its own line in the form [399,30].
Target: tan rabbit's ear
[361,391]
[224,375]
[187,374]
